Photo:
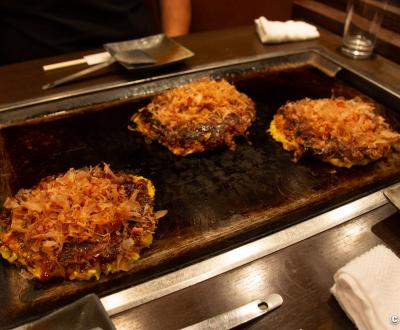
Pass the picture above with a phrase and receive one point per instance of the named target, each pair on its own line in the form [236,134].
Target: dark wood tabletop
[23,81]
[301,273]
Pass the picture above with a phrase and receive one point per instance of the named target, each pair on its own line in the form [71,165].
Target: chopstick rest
[368,289]
[277,31]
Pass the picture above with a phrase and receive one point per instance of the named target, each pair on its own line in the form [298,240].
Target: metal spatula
[241,315]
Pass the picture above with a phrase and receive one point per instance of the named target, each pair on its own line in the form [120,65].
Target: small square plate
[85,313]
[162,49]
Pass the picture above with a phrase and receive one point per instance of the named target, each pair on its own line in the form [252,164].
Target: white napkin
[276,31]
[368,289]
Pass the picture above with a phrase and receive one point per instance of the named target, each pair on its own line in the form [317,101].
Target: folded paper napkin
[275,31]
[368,289]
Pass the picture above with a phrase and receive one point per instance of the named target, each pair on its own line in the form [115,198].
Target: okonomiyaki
[342,132]
[196,117]
[80,224]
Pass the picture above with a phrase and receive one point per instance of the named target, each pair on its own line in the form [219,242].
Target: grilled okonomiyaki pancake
[79,224]
[196,117]
[342,132]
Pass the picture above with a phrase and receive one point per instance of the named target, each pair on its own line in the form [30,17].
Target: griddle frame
[326,61]
[319,58]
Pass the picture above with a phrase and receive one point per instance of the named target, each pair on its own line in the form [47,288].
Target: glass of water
[363,20]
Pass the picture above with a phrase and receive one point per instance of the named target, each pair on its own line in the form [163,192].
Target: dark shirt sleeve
[32,29]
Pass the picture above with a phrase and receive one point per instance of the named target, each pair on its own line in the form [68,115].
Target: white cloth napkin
[368,289]
[276,31]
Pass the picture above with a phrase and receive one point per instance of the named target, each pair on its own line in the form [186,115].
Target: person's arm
[175,17]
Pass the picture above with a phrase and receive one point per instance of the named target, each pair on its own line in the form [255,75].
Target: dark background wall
[221,14]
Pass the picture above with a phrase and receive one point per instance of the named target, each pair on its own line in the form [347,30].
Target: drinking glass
[363,21]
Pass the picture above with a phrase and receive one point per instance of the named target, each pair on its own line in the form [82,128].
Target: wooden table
[22,81]
[302,273]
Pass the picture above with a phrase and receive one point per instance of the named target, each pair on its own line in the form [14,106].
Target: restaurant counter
[297,262]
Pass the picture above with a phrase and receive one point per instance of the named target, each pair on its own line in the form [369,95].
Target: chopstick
[65,64]
[88,59]
[78,74]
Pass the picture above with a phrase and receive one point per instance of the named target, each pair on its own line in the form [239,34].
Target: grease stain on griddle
[215,200]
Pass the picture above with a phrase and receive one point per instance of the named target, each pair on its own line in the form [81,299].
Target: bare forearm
[175,15]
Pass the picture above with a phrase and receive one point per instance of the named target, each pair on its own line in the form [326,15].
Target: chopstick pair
[88,59]
[127,57]
[98,61]
[79,74]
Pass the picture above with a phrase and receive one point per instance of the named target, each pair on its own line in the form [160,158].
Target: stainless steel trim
[327,61]
[205,67]
[196,273]
[326,66]
[307,52]
[335,58]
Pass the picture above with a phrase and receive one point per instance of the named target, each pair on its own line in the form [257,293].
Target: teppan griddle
[217,200]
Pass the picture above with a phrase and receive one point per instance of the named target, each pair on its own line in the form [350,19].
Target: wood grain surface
[23,81]
[326,15]
[302,274]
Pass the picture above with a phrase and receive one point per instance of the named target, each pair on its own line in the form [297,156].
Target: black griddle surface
[215,200]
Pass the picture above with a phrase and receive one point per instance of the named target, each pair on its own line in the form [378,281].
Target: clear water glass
[363,21]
